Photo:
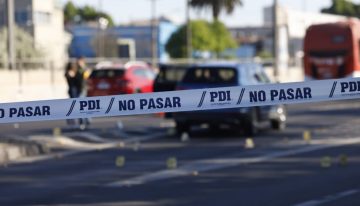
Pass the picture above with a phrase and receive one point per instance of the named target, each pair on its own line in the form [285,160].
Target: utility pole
[100,33]
[153,34]
[276,39]
[10,33]
[188,32]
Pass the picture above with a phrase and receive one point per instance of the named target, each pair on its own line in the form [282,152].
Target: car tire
[278,125]
[251,122]
[182,127]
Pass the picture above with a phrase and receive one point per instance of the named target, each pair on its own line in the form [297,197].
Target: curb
[14,149]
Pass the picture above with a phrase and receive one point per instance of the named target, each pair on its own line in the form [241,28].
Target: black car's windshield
[171,73]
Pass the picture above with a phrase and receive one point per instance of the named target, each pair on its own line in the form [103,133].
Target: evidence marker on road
[343,160]
[120,161]
[249,143]
[56,131]
[171,163]
[325,162]
[307,136]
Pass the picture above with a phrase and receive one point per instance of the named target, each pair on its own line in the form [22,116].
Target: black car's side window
[206,75]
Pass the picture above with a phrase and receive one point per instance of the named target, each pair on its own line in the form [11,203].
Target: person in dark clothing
[74,79]
[84,71]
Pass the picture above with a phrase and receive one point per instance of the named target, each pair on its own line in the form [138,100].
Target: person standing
[74,80]
[85,73]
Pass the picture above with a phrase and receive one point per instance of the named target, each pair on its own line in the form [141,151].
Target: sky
[251,13]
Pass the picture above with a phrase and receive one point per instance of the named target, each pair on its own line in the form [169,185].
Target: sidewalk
[35,85]
[14,149]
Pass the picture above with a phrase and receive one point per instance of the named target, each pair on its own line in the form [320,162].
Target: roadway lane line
[88,135]
[328,199]
[221,163]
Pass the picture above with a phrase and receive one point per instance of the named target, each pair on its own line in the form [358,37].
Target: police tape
[183,100]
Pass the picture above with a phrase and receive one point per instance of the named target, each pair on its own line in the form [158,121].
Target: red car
[117,79]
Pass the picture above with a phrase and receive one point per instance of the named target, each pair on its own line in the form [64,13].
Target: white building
[295,23]
[44,21]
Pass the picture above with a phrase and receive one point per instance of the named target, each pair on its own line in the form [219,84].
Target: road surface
[212,167]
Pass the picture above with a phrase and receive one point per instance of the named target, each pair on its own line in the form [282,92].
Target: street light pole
[276,39]
[188,31]
[153,34]
[100,33]
[10,33]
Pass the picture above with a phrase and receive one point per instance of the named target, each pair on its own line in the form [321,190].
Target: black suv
[223,75]
[169,76]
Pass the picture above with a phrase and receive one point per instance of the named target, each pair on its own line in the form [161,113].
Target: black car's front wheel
[251,123]
[278,125]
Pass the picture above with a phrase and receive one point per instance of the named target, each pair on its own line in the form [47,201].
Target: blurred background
[297,154]
[40,37]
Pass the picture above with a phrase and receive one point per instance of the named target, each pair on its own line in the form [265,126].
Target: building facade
[292,28]
[44,21]
[124,41]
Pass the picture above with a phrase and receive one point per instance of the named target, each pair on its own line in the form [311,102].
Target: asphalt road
[213,168]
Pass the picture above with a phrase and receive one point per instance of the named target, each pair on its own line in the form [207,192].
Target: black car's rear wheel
[182,127]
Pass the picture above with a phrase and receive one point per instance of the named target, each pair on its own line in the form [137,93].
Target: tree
[343,7]
[84,14]
[216,6]
[202,39]
[70,11]
[212,37]
[223,38]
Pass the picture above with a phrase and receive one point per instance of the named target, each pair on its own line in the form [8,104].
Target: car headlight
[277,112]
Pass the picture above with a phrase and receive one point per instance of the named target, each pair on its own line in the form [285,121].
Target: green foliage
[343,7]
[216,6]
[223,38]
[201,35]
[70,11]
[85,14]
[205,37]
[88,13]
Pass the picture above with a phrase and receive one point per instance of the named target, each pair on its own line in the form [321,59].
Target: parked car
[224,75]
[113,79]
[169,76]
